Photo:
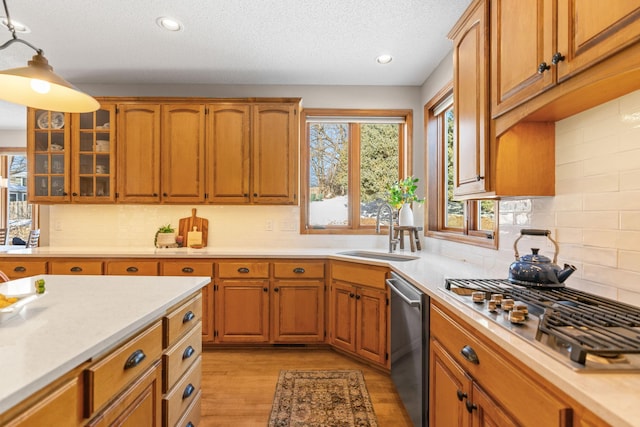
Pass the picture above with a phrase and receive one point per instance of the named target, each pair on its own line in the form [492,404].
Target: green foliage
[166,229]
[404,191]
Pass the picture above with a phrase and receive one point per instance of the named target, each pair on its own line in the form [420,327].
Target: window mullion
[354,175]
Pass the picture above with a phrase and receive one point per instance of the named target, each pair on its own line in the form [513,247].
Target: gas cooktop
[586,332]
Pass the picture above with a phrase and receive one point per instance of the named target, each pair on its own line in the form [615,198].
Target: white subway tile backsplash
[630,220]
[630,180]
[629,260]
[629,240]
[600,238]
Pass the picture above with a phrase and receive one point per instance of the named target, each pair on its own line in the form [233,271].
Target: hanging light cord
[13,33]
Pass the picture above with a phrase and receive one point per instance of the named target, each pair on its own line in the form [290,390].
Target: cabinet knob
[351,295]
[74,194]
[255,194]
[470,354]
[64,193]
[543,67]
[461,395]
[358,296]
[265,289]
[164,195]
[276,289]
[470,406]
[155,194]
[557,57]
[135,359]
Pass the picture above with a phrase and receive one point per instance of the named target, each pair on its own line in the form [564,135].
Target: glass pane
[57,163]
[379,151]
[86,163]
[102,186]
[328,174]
[454,215]
[42,163]
[19,210]
[57,186]
[86,121]
[86,186]
[42,186]
[487,215]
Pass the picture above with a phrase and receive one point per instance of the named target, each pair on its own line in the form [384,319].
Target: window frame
[435,166]
[4,192]
[405,152]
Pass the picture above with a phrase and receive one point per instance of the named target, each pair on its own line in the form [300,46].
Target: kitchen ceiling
[232,42]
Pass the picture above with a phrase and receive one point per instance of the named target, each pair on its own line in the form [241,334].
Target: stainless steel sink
[379,255]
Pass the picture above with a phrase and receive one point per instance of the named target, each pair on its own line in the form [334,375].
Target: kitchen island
[610,396]
[78,321]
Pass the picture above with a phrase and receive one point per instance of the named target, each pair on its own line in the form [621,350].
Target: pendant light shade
[37,86]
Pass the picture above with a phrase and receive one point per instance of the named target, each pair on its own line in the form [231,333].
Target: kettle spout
[565,272]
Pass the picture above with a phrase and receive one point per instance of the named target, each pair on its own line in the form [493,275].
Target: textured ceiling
[285,42]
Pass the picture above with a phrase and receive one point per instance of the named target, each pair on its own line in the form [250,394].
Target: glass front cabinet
[72,156]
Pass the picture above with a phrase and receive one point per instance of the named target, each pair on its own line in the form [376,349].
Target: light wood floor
[238,384]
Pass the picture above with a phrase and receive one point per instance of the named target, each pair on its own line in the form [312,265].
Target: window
[349,159]
[468,221]
[17,215]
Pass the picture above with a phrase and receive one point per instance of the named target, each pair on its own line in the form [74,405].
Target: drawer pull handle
[461,395]
[298,270]
[470,354]
[135,359]
[188,316]
[132,269]
[188,391]
[187,270]
[188,352]
[20,269]
[76,269]
[243,270]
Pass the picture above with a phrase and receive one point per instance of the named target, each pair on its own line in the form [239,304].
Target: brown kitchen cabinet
[48,155]
[93,176]
[242,302]
[133,267]
[487,166]
[536,44]
[472,384]
[196,268]
[183,153]
[79,266]
[358,311]
[298,303]
[17,268]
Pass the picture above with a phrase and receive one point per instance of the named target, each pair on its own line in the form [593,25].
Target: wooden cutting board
[186,225]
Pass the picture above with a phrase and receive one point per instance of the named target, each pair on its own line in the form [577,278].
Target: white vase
[405,216]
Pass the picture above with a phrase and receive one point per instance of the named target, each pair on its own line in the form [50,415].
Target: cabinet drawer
[191,416]
[530,402]
[235,270]
[299,270]
[60,408]
[186,391]
[135,268]
[187,268]
[109,376]
[371,276]
[180,356]
[180,320]
[18,269]
[76,267]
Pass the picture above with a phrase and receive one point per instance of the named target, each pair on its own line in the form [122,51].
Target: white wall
[13,138]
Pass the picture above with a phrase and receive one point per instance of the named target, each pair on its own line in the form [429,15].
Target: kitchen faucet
[392,242]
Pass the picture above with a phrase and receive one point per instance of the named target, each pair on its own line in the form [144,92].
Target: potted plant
[401,194]
[165,237]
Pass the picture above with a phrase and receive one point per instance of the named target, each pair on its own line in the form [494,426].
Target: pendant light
[37,86]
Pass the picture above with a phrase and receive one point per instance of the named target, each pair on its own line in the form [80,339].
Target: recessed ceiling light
[384,59]
[18,26]
[169,24]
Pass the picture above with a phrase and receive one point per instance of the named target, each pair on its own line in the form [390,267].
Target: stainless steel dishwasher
[409,347]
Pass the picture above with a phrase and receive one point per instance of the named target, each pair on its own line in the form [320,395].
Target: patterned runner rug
[322,399]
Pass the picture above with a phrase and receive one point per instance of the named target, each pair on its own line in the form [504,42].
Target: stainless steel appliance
[584,331]
[409,351]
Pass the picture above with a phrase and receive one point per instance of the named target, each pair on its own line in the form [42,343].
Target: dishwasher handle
[411,302]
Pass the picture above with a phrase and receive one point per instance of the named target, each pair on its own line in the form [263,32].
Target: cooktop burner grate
[586,323]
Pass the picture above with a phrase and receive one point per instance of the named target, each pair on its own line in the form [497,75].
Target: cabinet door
[48,154]
[518,47]
[183,158]
[470,63]
[242,311]
[228,153]
[298,311]
[487,413]
[589,31]
[138,168]
[274,153]
[449,389]
[343,316]
[94,156]
[371,324]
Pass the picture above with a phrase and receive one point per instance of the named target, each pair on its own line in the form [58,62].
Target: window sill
[480,241]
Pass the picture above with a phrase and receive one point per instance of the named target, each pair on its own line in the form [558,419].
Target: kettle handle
[535,232]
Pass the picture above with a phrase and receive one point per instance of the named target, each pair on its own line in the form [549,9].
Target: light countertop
[611,396]
[77,319]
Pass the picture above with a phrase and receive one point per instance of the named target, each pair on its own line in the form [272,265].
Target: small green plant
[404,191]
[166,229]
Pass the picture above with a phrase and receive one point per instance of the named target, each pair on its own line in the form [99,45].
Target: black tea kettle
[535,270]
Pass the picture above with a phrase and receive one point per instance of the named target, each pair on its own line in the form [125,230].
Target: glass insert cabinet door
[49,146]
[93,155]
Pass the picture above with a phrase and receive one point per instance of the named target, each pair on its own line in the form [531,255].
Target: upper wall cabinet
[535,44]
[471,103]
